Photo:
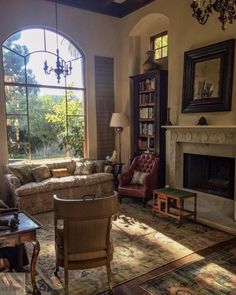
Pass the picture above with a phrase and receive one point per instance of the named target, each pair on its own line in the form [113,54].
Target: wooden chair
[82,234]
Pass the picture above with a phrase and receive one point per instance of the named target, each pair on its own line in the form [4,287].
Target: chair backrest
[144,162]
[86,222]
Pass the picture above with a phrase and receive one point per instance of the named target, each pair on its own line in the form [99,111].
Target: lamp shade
[119,120]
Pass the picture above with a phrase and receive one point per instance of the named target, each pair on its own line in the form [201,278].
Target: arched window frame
[65,87]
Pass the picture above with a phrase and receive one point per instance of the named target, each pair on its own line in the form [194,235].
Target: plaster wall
[185,33]
[95,34]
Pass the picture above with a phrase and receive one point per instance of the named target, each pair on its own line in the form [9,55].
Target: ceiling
[117,8]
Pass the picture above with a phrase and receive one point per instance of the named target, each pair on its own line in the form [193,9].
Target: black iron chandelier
[203,9]
[62,67]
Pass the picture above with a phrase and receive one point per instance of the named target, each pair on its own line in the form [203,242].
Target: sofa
[31,186]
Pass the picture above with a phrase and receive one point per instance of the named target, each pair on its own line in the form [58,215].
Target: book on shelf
[147,85]
[146,113]
[146,129]
[146,98]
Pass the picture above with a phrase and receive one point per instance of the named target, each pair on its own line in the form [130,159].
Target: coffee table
[170,202]
[26,232]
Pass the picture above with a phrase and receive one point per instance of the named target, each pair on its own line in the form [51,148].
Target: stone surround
[210,140]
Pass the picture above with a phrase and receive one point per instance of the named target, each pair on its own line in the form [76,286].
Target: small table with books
[170,202]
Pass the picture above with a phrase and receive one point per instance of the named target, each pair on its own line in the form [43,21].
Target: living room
[125,41]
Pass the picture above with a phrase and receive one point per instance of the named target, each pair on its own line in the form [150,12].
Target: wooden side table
[170,202]
[26,232]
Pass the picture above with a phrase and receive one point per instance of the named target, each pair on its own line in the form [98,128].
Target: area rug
[214,274]
[141,244]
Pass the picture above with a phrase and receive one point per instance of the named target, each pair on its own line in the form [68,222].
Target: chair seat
[88,255]
[132,190]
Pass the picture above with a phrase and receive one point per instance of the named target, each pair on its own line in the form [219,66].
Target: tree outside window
[159,43]
[44,119]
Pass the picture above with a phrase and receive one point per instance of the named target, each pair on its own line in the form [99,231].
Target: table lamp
[119,120]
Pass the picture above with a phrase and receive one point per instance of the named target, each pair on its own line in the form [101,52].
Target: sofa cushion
[59,172]
[84,168]
[22,172]
[67,182]
[41,172]
[69,164]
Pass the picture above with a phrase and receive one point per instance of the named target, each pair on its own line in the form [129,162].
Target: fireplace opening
[210,174]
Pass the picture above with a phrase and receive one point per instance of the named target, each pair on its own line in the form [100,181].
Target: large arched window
[45,119]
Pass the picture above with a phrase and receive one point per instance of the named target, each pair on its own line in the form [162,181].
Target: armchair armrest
[125,178]
[150,181]
[12,181]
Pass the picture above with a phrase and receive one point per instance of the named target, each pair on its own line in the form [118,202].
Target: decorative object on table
[63,67]
[225,8]
[150,64]
[202,121]
[208,78]
[113,159]
[119,120]
[168,122]
[10,222]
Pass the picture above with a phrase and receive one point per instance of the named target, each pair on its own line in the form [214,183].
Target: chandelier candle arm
[226,9]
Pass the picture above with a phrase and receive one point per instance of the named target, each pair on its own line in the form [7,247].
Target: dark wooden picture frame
[208,78]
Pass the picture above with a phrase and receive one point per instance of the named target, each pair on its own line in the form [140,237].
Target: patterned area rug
[141,244]
[214,274]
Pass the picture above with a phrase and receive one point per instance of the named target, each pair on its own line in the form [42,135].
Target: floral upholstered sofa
[32,185]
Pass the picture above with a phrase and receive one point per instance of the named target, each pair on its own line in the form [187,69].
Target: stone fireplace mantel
[216,140]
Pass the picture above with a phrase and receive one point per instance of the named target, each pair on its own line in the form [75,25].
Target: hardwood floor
[132,287]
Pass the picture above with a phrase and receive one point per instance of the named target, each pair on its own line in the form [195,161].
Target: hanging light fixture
[62,67]
[226,9]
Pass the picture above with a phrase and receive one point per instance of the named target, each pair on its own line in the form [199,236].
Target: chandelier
[62,67]
[225,8]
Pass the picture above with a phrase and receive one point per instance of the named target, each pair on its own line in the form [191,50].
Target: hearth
[209,174]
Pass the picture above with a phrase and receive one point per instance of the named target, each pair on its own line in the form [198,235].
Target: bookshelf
[148,113]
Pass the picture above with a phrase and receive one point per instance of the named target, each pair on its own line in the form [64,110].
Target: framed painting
[208,78]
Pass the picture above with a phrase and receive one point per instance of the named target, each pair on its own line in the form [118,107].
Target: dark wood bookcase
[148,114]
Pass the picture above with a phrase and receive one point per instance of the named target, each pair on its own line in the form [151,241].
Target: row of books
[147,85]
[146,98]
[146,129]
[146,143]
[146,113]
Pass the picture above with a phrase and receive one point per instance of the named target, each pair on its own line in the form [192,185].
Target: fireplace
[214,148]
[209,174]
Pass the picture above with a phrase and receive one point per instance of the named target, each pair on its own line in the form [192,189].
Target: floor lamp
[119,120]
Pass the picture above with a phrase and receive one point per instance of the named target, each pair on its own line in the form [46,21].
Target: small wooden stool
[170,202]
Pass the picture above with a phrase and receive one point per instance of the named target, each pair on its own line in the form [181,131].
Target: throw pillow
[59,172]
[22,171]
[85,168]
[41,172]
[138,177]
[99,166]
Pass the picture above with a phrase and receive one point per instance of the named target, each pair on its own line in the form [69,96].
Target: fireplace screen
[210,174]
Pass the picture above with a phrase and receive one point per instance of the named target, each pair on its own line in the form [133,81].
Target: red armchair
[145,163]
